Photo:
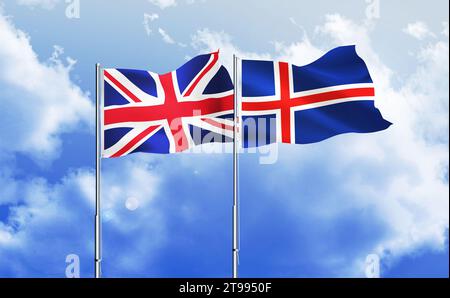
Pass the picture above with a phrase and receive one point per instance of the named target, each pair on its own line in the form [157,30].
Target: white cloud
[445,29]
[298,26]
[412,201]
[46,4]
[8,186]
[163,33]
[336,28]
[418,30]
[147,19]
[39,99]
[206,40]
[299,53]
[5,234]
[163,3]
[45,209]
[429,92]
[46,215]
[166,37]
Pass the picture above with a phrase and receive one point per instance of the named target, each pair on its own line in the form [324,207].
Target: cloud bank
[49,103]
[406,203]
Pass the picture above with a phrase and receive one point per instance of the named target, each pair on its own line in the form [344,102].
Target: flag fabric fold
[282,102]
[148,112]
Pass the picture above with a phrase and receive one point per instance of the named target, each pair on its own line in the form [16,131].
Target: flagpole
[97,245]
[235,176]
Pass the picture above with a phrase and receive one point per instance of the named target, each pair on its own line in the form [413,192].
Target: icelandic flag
[148,112]
[281,102]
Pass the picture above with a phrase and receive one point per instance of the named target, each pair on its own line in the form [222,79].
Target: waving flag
[148,112]
[286,103]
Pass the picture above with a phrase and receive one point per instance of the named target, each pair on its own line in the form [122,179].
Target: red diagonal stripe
[218,124]
[205,71]
[121,87]
[135,140]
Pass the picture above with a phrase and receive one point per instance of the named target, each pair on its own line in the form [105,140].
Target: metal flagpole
[97,245]
[235,175]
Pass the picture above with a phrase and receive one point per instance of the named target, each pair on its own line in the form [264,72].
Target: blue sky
[318,211]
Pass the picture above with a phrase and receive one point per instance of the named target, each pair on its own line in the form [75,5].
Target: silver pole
[97,245]
[235,175]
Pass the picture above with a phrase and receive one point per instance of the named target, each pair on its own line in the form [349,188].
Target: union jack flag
[149,112]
